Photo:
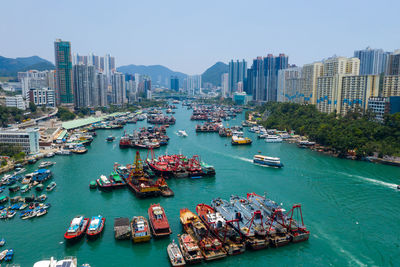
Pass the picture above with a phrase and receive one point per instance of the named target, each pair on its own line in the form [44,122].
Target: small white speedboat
[182,133]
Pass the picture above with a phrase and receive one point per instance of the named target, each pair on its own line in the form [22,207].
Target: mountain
[213,73]
[11,66]
[159,74]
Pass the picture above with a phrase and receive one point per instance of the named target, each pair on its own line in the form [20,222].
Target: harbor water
[351,208]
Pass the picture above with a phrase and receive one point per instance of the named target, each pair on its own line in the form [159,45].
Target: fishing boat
[3,254]
[116,180]
[140,229]
[190,250]
[63,152]
[175,255]
[14,188]
[240,223]
[182,133]
[2,242]
[51,186]
[95,227]
[158,221]
[3,199]
[39,187]
[79,149]
[42,198]
[233,242]
[104,184]
[237,140]
[210,247]
[267,161]
[284,224]
[77,228]
[45,164]
[10,214]
[28,214]
[9,255]
[273,139]
[165,191]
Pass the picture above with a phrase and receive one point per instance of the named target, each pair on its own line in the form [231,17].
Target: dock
[122,229]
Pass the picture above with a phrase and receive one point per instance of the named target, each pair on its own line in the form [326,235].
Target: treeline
[355,131]
[10,115]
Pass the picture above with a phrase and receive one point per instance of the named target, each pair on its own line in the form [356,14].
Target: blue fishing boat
[9,255]
[41,175]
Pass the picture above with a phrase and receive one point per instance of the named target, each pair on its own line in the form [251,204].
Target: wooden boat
[190,250]
[77,228]
[175,255]
[158,221]
[233,242]
[210,247]
[140,229]
[96,226]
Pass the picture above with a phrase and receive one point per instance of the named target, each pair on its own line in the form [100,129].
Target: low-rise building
[42,97]
[28,139]
[379,106]
[16,102]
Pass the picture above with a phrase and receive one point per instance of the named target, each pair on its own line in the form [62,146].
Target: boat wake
[374,181]
[243,159]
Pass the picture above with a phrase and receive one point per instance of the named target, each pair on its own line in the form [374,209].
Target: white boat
[268,161]
[3,254]
[63,152]
[238,133]
[71,262]
[41,212]
[273,139]
[175,255]
[182,133]
[45,164]
[49,155]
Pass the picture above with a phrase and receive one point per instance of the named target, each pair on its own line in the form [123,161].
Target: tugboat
[190,250]
[77,228]
[158,221]
[140,229]
[164,188]
[210,247]
[233,242]
[104,183]
[175,255]
[96,227]
[240,223]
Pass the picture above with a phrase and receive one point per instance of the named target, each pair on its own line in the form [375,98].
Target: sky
[189,36]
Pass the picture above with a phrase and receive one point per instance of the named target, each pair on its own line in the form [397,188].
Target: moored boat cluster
[146,137]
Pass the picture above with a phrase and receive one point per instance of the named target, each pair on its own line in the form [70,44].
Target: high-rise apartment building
[237,74]
[102,87]
[290,85]
[64,80]
[225,85]
[263,77]
[174,81]
[310,74]
[391,86]
[372,61]
[193,84]
[118,93]
[393,66]
[84,85]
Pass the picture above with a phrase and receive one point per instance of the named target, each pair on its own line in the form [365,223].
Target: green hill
[11,66]
[213,73]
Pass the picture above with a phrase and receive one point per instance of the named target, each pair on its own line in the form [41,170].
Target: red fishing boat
[124,142]
[95,227]
[158,221]
[77,228]
[233,242]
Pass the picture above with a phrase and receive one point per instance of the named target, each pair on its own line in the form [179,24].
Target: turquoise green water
[351,208]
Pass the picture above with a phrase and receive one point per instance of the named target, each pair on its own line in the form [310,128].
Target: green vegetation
[64,114]
[213,74]
[32,107]
[12,151]
[355,131]
[11,115]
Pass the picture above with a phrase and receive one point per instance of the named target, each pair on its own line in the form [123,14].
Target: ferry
[95,227]
[158,221]
[190,250]
[140,229]
[77,228]
[175,255]
[236,140]
[233,243]
[273,139]
[267,161]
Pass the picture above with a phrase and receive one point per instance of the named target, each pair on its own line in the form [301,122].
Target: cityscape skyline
[177,45]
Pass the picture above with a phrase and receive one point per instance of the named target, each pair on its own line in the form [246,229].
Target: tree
[32,107]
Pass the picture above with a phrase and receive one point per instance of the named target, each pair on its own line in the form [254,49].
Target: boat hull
[79,235]
[96,234]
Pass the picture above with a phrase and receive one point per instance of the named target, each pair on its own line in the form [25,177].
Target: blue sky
[190,36]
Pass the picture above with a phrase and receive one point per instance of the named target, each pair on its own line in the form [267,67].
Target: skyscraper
[86,94]
[64,82]
[263,77]
[393,67]
[237,73]
[118,95]
[174,83]
[372,61]
[225,84]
